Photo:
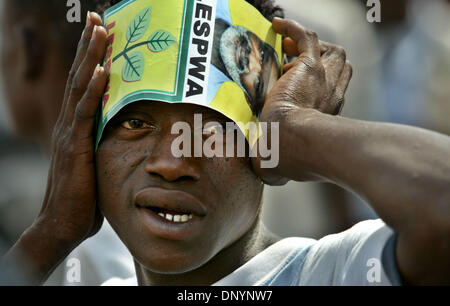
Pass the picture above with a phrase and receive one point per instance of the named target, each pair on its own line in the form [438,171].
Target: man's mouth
[169,202]
[172,216]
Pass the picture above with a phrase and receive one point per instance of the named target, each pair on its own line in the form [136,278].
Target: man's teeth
[176,218]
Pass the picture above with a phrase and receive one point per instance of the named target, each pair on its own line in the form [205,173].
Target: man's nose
[163,163]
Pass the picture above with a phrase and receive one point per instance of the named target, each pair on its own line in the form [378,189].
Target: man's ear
[32,49]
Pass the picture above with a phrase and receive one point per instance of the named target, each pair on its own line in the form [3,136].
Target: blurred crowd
[401,74]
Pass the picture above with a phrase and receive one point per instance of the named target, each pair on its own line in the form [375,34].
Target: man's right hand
[69,213]
[69,207]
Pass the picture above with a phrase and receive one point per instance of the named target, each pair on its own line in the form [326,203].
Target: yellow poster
[222,54]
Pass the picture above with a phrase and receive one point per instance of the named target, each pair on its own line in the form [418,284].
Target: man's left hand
[315,81]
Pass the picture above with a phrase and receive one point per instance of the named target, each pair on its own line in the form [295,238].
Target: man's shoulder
[275,265]
[354,236]
[289,244]
[337,259]
[346,258]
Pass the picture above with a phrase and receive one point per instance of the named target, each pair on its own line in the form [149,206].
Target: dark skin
[401,171]
[135,154]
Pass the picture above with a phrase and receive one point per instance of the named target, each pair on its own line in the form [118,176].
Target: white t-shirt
[99,258]
[361,255]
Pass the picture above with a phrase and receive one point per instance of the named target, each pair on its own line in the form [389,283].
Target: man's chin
[171,265]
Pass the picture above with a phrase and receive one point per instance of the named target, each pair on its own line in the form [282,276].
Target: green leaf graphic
[160,41]
[139,25]
[134,67]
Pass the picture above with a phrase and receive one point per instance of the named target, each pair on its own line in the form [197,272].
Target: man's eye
[135,124]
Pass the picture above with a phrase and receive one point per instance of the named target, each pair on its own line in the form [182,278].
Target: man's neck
[226,261]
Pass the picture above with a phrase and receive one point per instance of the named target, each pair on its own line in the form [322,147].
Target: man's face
[139,179]
[255,61]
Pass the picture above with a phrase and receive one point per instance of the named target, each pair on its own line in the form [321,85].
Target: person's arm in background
[403,172]
[69,214]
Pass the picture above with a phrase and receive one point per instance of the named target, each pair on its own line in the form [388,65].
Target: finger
[323,47]
[288,66]
[86,109]
[92,20]
[333,60]
[306,41]
[342,86]
[290,48]
[94,55]
[82,46]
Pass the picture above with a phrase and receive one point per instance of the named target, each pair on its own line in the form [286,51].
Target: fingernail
[88,19]
[97,71]
[94,32]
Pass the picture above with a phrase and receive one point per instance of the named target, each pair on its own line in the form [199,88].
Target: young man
[401,171]
[38,50]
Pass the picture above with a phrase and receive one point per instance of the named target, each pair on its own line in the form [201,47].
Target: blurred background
[401,74]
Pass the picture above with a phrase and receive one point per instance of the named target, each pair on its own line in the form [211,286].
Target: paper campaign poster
[222,54]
